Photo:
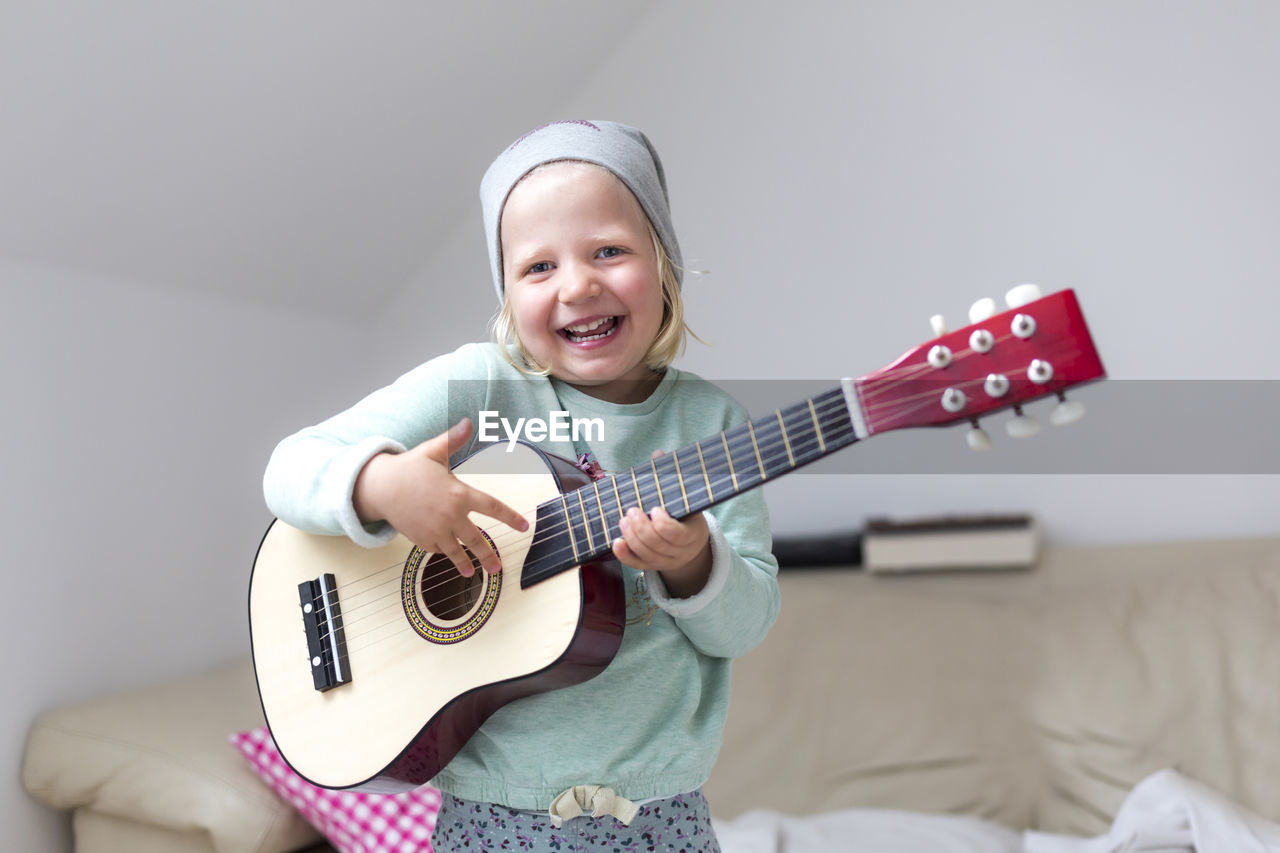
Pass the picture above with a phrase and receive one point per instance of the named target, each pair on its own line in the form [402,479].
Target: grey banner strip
[1130,427]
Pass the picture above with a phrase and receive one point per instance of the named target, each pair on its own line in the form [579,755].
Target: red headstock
[1037,349]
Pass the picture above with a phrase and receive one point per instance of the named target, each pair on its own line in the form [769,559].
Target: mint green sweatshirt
[651,724]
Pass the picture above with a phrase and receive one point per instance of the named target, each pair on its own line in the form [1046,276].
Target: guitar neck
[1037,349]
[582,524]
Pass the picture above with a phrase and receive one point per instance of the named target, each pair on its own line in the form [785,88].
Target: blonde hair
[667,344]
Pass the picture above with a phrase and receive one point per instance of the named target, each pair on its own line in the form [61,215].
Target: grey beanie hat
[623,150]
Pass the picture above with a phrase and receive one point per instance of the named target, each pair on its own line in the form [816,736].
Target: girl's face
[581,274]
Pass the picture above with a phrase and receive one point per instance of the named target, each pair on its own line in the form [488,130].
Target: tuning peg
[982,309]
[1066,412]
[1022,294]
[978,439]
[1021,426]
[939,324]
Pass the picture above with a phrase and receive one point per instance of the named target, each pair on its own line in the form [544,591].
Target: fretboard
[582,524]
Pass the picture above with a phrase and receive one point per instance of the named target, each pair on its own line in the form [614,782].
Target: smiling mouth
[592,331]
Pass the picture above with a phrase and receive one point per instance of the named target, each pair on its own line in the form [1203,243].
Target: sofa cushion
[883,691]
[159,756]
[355,822]
[1157,656]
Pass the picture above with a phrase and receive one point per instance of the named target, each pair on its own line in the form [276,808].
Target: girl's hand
[680,550]
[417,494]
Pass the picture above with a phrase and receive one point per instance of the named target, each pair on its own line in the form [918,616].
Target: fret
[702,463]
[719,468]
[764,449]
[796,424]
[675,459]
[837,426]
[636,485]
[804,420]
[756,447]
[817,427]
[786,441]
[669,469]
[585,521]
[733,475]
[743,457]
[770,442]
[617,496]
[568,517]
[662,502]
[604,520]
[699,487]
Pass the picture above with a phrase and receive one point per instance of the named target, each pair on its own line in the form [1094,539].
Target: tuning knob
[979,441]
[982,309]
[1021,426]
[1066,412]
[1021,295]
[939,324]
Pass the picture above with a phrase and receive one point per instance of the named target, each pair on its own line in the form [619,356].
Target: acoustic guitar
[375,666]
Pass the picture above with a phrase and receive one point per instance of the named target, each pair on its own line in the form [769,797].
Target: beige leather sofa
[1035,699]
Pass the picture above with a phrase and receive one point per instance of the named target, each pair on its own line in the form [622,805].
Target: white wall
[846,170]
[843,171]
[136,425]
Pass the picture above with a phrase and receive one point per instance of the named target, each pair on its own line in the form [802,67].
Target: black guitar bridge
[322,623]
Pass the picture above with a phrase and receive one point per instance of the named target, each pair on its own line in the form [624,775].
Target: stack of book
[966,542]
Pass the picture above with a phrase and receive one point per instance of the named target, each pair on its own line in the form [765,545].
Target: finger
[483,551]
[458,435]
[661,533]
[487,504]
[667,528]
[452,549]
[639,534]
[623,552]
[655,454]
[443,445]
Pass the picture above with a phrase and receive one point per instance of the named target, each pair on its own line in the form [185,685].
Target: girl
[587,271]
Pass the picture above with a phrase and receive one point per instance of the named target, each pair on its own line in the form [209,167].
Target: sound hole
[446,594]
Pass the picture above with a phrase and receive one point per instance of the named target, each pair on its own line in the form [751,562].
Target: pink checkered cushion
[353,822]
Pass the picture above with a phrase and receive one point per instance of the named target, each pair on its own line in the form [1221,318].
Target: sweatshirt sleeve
[311,475]
[739,603]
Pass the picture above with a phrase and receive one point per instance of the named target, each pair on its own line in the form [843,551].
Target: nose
[578,284]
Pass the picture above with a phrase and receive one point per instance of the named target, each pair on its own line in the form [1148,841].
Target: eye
[538,268]
[610,252]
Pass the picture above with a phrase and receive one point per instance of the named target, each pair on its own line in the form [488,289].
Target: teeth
[592,337]
[581,333]
[586,327]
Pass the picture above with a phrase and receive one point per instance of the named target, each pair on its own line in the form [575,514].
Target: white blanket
[1165,813]
[863,831]
[1169,813]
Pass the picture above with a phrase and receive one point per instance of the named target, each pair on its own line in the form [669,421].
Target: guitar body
[428,655]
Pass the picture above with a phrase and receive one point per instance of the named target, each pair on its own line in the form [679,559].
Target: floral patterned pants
[680,824]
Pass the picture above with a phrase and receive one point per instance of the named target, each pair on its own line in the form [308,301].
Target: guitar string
[932,395]
[737,446]
[647,496]
[833,401]
[450,573]
[902,375]
[913,371]
[354,642]
[720,480]
[929,397]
